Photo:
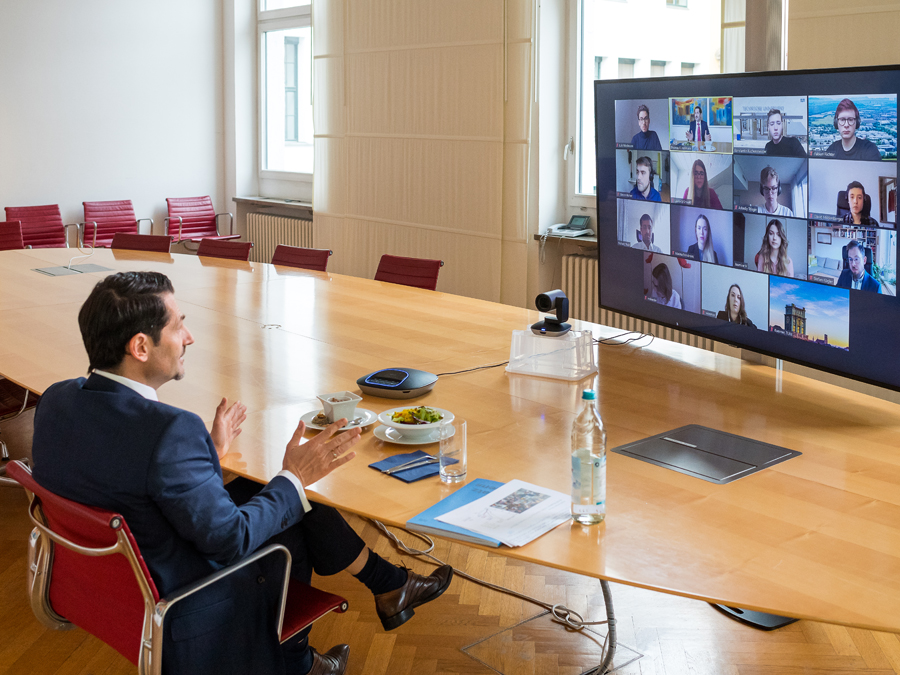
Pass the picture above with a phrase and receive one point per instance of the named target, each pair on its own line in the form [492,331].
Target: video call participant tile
[673,282]
[854,127]
[734,295]
[771,245]
[643,225]
[701,124]
[855,193]
[810,312]
[702,234]
[855,258]
[775,126]
[775,186]
[701,179]
[642,124]
[642,175]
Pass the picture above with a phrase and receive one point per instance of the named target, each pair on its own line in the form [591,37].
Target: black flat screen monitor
[759,210]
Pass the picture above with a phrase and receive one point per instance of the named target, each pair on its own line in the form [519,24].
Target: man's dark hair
[855,244]
[647,217]
[643,160]
[856,184]
[643,108]
[775,111]
[120,307]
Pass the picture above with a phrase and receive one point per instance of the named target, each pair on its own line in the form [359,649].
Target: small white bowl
[340,404]
[414,431]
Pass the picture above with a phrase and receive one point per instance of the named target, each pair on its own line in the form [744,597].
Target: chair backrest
[111,217]
[232,250]
[198,217]
[97,589]
[42,226]
[11,235]
[303,258]
[141,242]
[416,272]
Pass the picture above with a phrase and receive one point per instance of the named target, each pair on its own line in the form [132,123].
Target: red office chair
[11,235]
[75,577]
[230,250]
[416,272]
[42,226]
[315,259]
[159,243]
[109,218]
[196,219]
[14,400]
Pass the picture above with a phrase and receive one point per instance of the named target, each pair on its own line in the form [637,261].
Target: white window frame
[576,200]
[268,20]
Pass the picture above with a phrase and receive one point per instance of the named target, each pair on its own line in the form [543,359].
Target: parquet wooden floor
[677,636]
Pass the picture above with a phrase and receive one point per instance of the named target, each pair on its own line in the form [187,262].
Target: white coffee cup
[339,404]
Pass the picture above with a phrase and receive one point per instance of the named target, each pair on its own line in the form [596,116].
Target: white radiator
[267,231]
[579,283]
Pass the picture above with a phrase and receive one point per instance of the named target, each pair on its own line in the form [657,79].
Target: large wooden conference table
[815,537]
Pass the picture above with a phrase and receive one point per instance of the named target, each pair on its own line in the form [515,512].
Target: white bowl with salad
[416,422]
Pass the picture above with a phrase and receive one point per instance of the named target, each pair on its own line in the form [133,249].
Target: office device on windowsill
[577,226]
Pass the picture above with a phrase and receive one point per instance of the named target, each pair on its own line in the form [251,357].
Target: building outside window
[286,121]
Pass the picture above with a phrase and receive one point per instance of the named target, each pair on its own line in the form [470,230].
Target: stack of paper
[515,513]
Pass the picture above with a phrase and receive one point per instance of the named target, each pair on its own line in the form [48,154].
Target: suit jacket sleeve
[185,482]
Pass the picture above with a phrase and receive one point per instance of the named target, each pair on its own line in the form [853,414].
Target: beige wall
[839,33]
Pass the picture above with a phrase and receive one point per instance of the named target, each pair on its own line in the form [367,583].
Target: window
[598,25]
[285,80]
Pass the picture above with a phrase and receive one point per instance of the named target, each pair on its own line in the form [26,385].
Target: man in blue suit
[107,441]
[855,276]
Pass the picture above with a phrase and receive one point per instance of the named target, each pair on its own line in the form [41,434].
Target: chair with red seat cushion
[11,235]
[85,568]
[194,218]
[230,250]
[109,218]
[42,226]
[315,259]
[160,243]
[416,272]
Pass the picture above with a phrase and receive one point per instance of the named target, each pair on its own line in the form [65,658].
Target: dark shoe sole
[392,622]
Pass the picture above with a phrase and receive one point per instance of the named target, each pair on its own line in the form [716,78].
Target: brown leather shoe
[396,607]
[332,662]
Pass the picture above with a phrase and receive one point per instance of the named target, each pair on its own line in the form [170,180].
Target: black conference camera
[552,326]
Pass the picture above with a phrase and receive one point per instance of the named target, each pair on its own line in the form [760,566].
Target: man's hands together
[227,425]
[321,455]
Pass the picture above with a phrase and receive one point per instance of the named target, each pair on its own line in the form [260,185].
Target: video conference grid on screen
[761,211]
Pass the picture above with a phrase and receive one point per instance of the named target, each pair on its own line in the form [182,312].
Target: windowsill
[584,239]
[280,203]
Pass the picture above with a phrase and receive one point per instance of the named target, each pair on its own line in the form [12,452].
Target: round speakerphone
[397,383]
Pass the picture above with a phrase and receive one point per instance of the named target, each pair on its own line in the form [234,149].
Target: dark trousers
[322,542]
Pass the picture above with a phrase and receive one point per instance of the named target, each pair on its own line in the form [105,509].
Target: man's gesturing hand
[320,456]
[227,425]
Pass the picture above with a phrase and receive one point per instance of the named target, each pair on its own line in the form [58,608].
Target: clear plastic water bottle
[588,463]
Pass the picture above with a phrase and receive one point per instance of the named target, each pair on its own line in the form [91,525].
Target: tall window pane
[288,128]
[282,4]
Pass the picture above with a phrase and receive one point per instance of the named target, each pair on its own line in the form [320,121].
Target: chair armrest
[180,222]
[141,220]
[78,235]
[231,225]
[81,229]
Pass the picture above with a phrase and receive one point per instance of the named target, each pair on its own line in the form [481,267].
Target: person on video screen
[780,145]
[703,249]
[646,242]
[855,276]
[770,188]
[851,146]
[698,123]
[643,181]
[735,312]
[856,198]
[645,139]
[661,289]
[773,254]
[699,191]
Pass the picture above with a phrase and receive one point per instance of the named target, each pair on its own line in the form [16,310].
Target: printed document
[515,513]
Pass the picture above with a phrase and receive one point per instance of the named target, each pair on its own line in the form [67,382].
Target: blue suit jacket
[868,282]
[100,443]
